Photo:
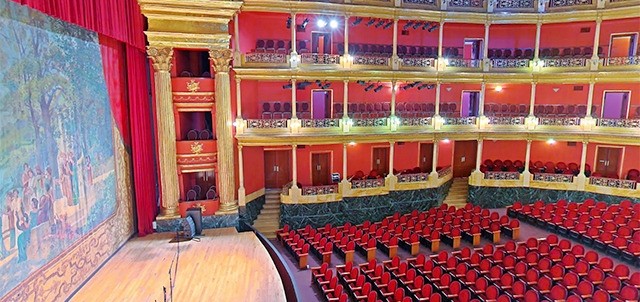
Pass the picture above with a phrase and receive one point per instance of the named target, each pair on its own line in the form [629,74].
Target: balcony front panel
[513,6]
[568,5]
[511,65]
[265,59]
[426,64]
[422,4]
[467,5]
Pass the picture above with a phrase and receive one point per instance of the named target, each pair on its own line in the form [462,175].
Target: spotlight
[406,87]
[318,82]
[304,23]
[357,21]
[369,87]
[360,82]
[333,24]
[409,23]
[423,86]
[352,143]
[321,23]
[386,26]
[406,26]
[498,88]
[289,22]
[433,27]
[446,140]
[415,26]
[430,86]
[551,141]
[371,21]
[425,26]
[378,88]
[380,23]
[287,86]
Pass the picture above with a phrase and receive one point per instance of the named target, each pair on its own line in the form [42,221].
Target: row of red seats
[614,229]
[506,110]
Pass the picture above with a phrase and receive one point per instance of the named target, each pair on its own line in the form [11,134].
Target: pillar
[161,58]
[479,155]
[441,64]
[344,162]
[391,179]
[241,191]
[345,100]
[394,56]
[485,50]
[596,43]
[581,179]
[483,89]
[294,155]
[346,35]
[391,156]
[433,176]
[437,110]
[532,100]
[526,175]
[220,62]
[236,41]
[590,99]
[294,43]
[393,98]
[238,100]
[536,49]
[294,100]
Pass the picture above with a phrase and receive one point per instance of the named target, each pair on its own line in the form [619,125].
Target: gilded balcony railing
[456,121]
[416,177]
[506,120]
[266,123]
[370,60]
[432,3]
[265,58]
[613,182]
[565,62]
[509,63]
[444,172]
[569,3]
[618,123]
[500,175]
[416,121]
[559,121]
[419,62]
[367,183]
[463,63]
[320,59]
[552,177]
[320,123]
[514,4]
[369,122]
[320,190]
[622,61]
[466,3]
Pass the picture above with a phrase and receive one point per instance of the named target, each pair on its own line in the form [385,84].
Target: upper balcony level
[335,42]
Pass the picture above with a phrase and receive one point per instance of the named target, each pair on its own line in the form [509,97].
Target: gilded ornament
[193,86]
[160,57]
[196,147]
[201,206]
[220,59]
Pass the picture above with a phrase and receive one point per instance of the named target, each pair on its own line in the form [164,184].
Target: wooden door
[608,161]
[320,169]
[426,157]
[276,168]
[381,160]
[464,158]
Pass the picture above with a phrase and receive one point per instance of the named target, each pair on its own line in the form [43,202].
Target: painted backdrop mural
[56,151]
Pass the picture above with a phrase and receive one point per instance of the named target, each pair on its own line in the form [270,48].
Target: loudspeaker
[196,215]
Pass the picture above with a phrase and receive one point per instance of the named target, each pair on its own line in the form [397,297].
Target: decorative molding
[613,182]
[266,123]
[367,183]
[320,190]
[618,123]
[265,58]
[220,59]
[320,123]
[161,58]
[552,177]
[415,177]
[500,175]
[321,59]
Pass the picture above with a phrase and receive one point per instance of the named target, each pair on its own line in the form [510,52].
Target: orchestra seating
[613,229]
[547,269]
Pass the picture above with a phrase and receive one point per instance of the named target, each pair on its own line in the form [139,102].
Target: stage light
[287,86]
[409,23]
[360,82]
[304,23]
[318,82]
[371,21]
[352,143]
[386,26]
[333,24]
[424,27]
[433,27]
[415,26]
[423,86]
[498,88]
[551,141]
[321,23]
[289,22]
[369,87]
[430,86]
[357,21]
[378,88]
[406,87]
[446,141]
[380,23]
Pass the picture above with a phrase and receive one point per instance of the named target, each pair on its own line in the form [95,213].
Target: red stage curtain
[114,64]
[142,143]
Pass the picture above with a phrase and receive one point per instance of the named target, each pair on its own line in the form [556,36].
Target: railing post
[595,60]
[526,175]
[582,177]
[588,122]
[239,122]
[486,63]
[395,61]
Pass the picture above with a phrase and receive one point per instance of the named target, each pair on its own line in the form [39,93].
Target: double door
[608,161]
[277,168]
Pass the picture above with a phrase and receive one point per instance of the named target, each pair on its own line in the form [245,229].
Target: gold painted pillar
[394,51]
[241,191]
[294,166]
[536,49]
[161,58]
[433,176]
[437,109]
[294,43]
[345,100]
[581,179]
[294,99]
[393,98]
[391,179]
[596,43]
[532,100]
[237,61]
[344,162]
[526,175]
[590,98]
[238,100]
[483,90]
[479,154]
[220,62]
[346,35]
[485,50]
[441,63]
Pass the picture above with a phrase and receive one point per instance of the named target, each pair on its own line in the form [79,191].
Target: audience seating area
[204,134]
[507,110]
[613,229]
[546,269]
[563,110]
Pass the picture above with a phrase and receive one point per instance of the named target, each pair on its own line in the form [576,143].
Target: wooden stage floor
[224,266]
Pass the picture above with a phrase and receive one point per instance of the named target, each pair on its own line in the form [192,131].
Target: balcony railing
[499,175]
[320,59]
[444,172]
[506,120]
[514,4]
[565,62]
[622,61]
[419,62]
[369,122]
[569,3]
[416,121]
[560,121]
[404,178]
[320,190]
[466,3]
[421,2]
[320,123]
[266,123]
[265,58]
[618,123]
[463,63]
[509,63]
[552,177]
[367,183]
[613,182]
[456,121]
[370,60]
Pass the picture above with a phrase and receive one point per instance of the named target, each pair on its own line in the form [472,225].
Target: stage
[224,266]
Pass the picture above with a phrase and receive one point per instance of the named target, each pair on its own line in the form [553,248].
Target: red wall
[414,95]
[565,94]
[502,36]
[253,169]
[304,161]
[455,94]
[256,92]
[406,155]
[599,90]
[566,35]
[609,27]
[455,33]
[358,95]
[359,157]
[510,94]
[542,151]
[445,153]
[503,150]
[363,34]
[255,25]
[417,36]
[631,159]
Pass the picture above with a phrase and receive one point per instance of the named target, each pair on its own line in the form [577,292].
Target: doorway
[321,103]
[623,45]
[464,158]
[321,168]
[472,49]
[380,161]
[277,168]
[426,157]
[321,43]
[608,161]
[615,104]
[470,103]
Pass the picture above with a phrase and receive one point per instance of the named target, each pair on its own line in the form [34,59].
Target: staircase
[458,192]
[268,220]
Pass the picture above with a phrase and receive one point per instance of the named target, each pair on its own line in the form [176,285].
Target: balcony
[618,123]
[631,62]
[370,62]
[320,60]
[417,63]
[613,183]
[573,63]
[510,65]
[456,63]
[265,59]
[566,5]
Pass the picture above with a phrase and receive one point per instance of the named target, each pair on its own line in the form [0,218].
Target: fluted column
[238,100]
[241,190]
[220,62]
[236,41]
[166,130]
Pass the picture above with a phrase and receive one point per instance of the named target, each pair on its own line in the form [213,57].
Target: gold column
[294,43]
[346,35]
[345,100]
[220,62]
[437,110]
[596,40]
[294,102]
[440,38]
[241,190]
[238,100]
[391,156]
[536,49]
[161,60]
[435,157]
[394,52]
[236,41]
[294,159]
[590,98]
[483,90]
[527,156]
[344,162]
[393,98]
[479,155]
[532,100]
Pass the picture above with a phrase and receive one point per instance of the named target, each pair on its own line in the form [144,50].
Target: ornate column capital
[220,59]
[161,57]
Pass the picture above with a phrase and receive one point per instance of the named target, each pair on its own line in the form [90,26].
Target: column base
[240,125]
[531,122]
[438,121]
[242,195]
[346,124]
[594,63]
[526,178]
[581,181]
[476,178]
[394,122]
[168,213]
[227,208]
[433,177]
[587,123]
[391,181]
[483,121]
